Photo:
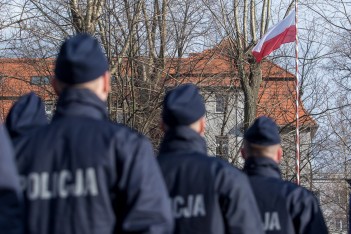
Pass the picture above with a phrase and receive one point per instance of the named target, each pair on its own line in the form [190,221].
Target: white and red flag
[281,33]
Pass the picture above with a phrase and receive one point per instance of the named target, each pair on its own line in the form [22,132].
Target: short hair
[254,150]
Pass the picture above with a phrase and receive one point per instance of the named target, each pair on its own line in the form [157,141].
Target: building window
[220,103]
[116,110]
[119,116]
[222,146]
[237,130]
[40,80]
[49,109]
[340,197]
[340,224]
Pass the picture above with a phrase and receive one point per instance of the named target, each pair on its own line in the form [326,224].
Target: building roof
[215,68]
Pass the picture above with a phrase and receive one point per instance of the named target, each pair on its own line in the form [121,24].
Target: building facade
[333,191]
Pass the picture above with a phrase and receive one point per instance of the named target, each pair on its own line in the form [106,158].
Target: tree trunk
[250,82]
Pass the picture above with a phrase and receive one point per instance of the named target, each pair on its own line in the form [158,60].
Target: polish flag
[281,33]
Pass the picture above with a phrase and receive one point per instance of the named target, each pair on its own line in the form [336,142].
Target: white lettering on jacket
[188,207]
[62,184]
[271,221]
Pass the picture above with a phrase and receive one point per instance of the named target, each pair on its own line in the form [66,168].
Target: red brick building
[20,76]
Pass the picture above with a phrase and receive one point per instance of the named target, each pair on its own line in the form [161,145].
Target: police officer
[11,206]
[26,114]
[208,195]
[285,207]
[82,173]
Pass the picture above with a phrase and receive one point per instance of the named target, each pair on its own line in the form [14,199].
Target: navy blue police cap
[183,105]
[80,60]
[263,132]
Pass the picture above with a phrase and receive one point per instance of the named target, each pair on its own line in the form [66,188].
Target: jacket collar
[262,166]
[80,102]
[183,139]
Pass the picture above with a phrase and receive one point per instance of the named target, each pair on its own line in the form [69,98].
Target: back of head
[262,137]
[80,60]
[183,106]
[26,114]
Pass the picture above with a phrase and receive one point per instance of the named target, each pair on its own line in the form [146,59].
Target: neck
[262,166]
[183,138]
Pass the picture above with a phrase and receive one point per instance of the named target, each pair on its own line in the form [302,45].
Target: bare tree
[244,22]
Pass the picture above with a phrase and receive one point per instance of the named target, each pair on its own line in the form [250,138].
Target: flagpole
[297,152]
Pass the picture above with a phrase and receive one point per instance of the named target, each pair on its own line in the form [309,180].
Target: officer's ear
[56,86]
[243,153]
[163,126]
[279,154]
[202,126]
[107,78]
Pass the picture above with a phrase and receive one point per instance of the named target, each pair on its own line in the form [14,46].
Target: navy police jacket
[285,207]
[10,195]
[84,174]
[208,195]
